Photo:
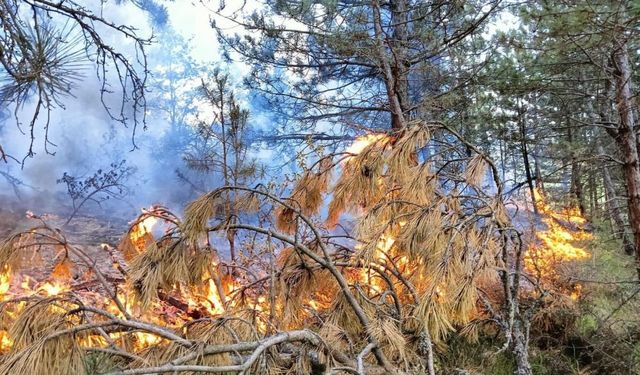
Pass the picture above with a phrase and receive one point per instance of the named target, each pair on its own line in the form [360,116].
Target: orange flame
[216,306]
[363,142]
[5,281]
[141,231]
[53,288]
[558,243]
[6,343]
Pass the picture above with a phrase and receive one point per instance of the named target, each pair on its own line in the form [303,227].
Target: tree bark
[521,350]
[576,185]
[614,210]
[594,205]
[400,63]
[539,181]
[385,64]
[576,171]
[627,140]
[525,156]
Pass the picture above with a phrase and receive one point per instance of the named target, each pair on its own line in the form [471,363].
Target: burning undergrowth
[561,241]
[420,264]
[558,238]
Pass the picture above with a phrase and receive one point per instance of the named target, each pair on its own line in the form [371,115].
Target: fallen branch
[257,347]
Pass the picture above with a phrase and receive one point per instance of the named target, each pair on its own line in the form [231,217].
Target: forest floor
[599,334]
[87,232]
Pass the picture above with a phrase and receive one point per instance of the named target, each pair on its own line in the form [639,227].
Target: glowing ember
[144,340]
[5,341]
[53,288]
[577,291]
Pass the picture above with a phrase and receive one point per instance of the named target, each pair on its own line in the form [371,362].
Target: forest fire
[413,265]
[562,241]
[331,187]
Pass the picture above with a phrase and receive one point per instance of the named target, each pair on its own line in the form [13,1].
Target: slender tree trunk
[515,166]
[575,190]
[628,141]
[576,184]
[515,320]
[614,211]
[400,63]
[594,205]
[525,156]
[229,209]
[503,159]
[632,179]
[539,182]
[389,68]
[521,349]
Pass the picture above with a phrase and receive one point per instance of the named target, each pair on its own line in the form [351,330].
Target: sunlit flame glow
[576,293]
[386,252]
[5,284]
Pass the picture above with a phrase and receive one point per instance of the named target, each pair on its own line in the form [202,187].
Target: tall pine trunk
[576,172]
[627,140]
[614,211]
[400,64]
[525,155]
